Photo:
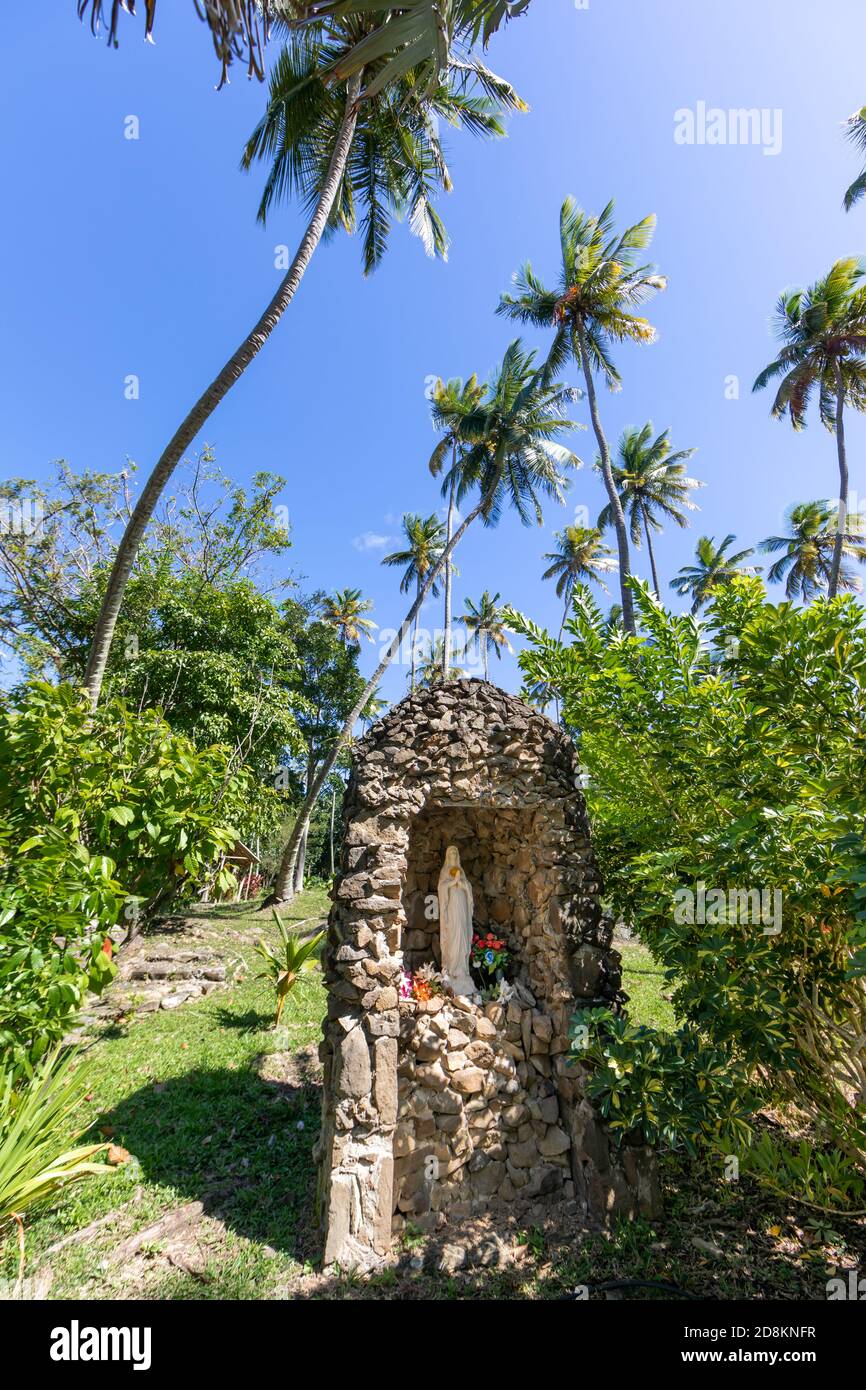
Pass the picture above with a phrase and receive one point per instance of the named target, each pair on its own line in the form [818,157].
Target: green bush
[102,816]
[724,760]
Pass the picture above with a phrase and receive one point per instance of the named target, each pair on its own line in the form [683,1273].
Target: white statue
[455,923]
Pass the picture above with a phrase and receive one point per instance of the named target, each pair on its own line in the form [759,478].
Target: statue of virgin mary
[455,923]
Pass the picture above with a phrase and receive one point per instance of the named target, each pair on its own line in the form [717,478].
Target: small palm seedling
[285,968]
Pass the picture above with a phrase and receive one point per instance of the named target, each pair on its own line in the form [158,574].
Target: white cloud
[370,540]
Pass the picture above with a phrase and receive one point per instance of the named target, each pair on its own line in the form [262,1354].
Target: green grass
[185,1092]
[216,1107]
[644,982]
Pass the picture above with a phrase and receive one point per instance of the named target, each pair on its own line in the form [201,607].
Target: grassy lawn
[203,1100]
[644,983]
[220,1114]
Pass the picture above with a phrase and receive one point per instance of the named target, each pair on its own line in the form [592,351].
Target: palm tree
[425,546]
[486,624]
[809,549]
[856,133]
[600,284]
[344,610]
[580,554]
[651,480]
[428,30]
[714,568]
[239,28]
[432,668]
[516,460]
[538,693]
[345,160]
[453,402]
[823,332]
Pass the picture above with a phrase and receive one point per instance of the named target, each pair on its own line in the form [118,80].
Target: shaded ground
[220,1114]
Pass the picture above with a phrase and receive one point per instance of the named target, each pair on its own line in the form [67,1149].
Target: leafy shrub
[729,758]
[102,816]
[671,1088]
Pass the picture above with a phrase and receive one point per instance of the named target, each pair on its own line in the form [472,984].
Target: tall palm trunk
[842,522]
[610,485]
[282,890]
[485,653]
[301,859]
[300,865]
[449,531]
[649,546]
[568,597]
[211,398]
[414,653]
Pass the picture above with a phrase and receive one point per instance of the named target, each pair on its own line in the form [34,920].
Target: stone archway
[438,1110]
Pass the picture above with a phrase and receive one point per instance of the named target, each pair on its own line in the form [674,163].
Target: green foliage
[201,635]
[36,1121]
[285,968]
[668,1088]
[821,1178]
[223,664]
[102,817]
[729,759]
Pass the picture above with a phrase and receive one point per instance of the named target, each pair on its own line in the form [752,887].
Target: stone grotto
[440,1106]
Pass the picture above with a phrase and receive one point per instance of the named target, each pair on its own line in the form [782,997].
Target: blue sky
[144,257]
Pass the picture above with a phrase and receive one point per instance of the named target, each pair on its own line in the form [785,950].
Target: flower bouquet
[489,960]
[420,985]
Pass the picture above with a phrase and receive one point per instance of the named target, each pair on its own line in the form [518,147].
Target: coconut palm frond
[238,28]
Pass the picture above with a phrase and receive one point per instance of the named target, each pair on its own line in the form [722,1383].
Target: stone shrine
[440,1108]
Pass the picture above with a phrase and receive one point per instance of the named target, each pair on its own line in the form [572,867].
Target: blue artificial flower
[489,957]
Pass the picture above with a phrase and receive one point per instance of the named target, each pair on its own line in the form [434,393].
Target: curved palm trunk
[610,486]
[211,398]
[446,655]
[652,557]
[282,891]
[842,522]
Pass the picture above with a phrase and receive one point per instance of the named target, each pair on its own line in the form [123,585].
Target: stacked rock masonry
[437,1111]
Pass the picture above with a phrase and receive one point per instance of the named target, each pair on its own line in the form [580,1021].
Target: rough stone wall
[462,763]
[478,1114]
